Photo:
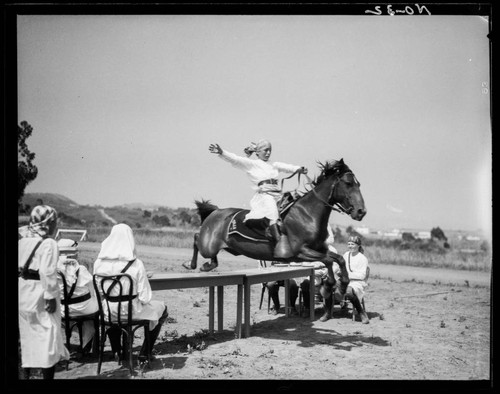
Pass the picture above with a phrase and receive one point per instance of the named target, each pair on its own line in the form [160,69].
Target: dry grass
[452,258]
[169,237]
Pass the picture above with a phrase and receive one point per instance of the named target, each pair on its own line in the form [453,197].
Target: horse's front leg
[210,266]
[327,258]
[194,259]
[308,254]
[344,277]
[327,284]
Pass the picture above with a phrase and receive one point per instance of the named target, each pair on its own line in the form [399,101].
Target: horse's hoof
[325,317]
[208,267]
[187,265]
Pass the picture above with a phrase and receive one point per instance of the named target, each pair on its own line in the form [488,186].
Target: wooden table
[166,281]
[274,273]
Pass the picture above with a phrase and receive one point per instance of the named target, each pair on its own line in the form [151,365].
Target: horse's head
[345,193]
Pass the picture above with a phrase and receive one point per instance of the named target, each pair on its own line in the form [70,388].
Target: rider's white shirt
[263,203]
[256,169]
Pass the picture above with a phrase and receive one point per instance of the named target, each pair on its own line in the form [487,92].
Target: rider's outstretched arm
[237,161]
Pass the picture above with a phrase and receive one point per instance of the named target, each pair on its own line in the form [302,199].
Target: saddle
[258,229]
[286,201]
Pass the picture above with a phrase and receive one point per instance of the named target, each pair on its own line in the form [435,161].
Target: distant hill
[74,215]
[54,200]
[137,215]
[139,205]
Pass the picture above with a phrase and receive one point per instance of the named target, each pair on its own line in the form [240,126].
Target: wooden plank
[246,303]
[239,307]
[428,294]
[220,307]
[180,281]
[260,275]
[312,295]
[287,297]
[211,309]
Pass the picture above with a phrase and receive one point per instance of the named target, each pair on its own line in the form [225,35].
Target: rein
[298,179]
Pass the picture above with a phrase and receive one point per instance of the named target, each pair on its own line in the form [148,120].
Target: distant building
[423,235]
[393,234]
[472,238]
[362,230]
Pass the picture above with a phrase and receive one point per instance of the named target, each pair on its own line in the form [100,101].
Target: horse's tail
[205,208]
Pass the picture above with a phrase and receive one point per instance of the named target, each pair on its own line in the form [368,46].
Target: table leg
[239,307]
[246,289]
[220,308]
[211,309]
[287,297]
[312,296]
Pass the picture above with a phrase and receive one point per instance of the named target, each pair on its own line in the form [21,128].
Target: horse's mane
[329,168]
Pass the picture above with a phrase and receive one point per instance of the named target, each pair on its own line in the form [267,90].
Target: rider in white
[264,175]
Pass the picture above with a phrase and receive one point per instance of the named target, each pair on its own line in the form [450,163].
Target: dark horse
[305,223]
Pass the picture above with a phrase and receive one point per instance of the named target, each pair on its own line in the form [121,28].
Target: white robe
[84,285]
[42,344]
[143,306]
[357,269]
[116,251]
[263,202]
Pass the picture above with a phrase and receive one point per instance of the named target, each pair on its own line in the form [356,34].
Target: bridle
[337,206]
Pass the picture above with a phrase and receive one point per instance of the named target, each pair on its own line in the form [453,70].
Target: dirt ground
[425,324]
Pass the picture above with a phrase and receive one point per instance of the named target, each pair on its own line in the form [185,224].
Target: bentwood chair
[113,299]
[71,321]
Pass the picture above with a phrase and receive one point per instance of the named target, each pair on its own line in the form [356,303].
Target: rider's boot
[327,305]
[282,249]
[355,302]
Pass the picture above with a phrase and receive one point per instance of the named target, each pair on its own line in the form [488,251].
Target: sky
[124,107]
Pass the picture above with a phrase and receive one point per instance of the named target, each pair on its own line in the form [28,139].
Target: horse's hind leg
[194,259]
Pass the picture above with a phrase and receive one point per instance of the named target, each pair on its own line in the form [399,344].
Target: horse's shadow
[173,353]
[303,331]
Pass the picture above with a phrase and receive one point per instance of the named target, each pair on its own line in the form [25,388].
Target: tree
[26,170]
[337,234]
[185,217]
[161,220]
[437,233]
[407,237]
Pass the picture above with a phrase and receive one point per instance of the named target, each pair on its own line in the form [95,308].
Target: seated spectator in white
[357,266]
[83,293]
[117,251]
